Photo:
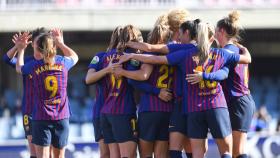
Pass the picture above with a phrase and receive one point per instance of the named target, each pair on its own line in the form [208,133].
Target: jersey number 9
[51,85]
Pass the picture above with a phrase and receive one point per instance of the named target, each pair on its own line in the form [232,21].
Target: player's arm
[67,51]
[9,57]
[161,48]
[140,85]
[144,58]
[245,57]
[140,75]
[20,61]
[13,51]
[198,76]
[163,93]
[21,43]
[94,76]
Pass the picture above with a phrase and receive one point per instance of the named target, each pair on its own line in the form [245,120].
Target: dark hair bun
[197,21]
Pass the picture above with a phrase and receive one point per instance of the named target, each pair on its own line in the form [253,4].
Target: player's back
[50,88]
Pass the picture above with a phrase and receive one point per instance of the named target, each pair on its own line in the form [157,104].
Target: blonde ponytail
[203,43]
[47,47]
[234,16]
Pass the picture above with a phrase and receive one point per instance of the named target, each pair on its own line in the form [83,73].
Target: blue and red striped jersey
[100,86]
[206,94]
[238,78]
[27,98]
[120,98]
[161,77]
[177,75]
[50,88]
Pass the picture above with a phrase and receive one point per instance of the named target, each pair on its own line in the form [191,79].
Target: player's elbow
[75,58]
[88,80]
[249,60]
[18,69]
[145,77]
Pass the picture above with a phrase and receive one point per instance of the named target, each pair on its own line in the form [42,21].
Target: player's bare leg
[42,151]
[114,150]
[176,141]
[161,149]
[198,148]
[239,142]
[146,148]
[31,146]
[104,149]
[128,149]
[58,153]
[225,145]
[188,148]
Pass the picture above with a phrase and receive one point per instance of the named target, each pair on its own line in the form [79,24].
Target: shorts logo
[95,60]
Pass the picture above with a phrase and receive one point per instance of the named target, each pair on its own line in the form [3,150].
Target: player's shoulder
[98,57]
[59,58]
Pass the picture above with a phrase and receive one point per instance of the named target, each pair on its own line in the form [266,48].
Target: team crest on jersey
[95,60]
[134,62]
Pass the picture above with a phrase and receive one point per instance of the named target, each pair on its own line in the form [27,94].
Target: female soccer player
[50,117]
[96,75]
[27,98]
[240,103]
[154,112]
[205,104]
[118,114]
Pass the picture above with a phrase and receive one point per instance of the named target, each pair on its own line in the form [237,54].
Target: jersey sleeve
[176,57]
[27,68]
[218,75]
[12,62]
[68,62]
[175,47]
[230,58]
[96,61]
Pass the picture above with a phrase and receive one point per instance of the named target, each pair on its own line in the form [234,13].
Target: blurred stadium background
[87,26]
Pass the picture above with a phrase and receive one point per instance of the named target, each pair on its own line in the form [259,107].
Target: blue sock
[175,154]
[226,156]
[189,155]
[242,156]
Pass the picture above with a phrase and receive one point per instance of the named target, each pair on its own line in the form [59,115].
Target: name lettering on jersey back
[44,68]
[52,101]
[113,57]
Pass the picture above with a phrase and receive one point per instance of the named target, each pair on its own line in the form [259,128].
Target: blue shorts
[216,120]
[241,111]
[119,128]
[27,125]
[98,134]
[178,120]
[153,126]
[50,132]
